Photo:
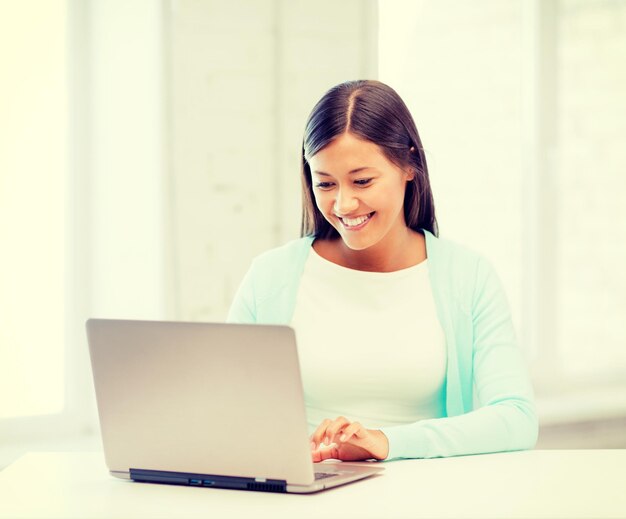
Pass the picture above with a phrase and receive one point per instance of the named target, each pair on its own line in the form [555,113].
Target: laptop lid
[206,398]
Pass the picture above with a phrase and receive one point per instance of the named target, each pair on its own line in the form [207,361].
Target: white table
[550,483]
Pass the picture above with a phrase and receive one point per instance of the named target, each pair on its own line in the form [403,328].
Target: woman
[405,340]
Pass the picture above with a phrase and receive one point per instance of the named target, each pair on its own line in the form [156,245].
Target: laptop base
[208,480]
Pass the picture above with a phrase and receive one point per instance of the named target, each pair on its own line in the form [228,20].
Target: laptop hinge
[208,480]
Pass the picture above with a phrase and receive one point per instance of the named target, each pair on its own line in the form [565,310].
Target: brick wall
[458,65]
[521,106]
[590,174]
[244,76]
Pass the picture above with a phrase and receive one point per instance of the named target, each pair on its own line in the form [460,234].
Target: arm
[506,419]
[243,307]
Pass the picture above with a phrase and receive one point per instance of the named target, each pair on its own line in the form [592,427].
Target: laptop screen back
[222,399]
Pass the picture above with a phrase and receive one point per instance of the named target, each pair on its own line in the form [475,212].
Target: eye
[324,185]
[363,181]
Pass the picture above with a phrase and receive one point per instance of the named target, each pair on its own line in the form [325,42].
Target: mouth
[355,224]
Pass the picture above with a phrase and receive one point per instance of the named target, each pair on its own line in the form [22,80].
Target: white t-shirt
[370,344]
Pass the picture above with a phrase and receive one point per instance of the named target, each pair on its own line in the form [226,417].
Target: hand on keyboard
[347,441]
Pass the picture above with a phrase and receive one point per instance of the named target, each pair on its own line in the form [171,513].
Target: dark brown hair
[374,112]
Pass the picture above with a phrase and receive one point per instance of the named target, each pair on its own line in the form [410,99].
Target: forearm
[507,426]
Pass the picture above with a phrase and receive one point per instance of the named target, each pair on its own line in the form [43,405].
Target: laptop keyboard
[324,475]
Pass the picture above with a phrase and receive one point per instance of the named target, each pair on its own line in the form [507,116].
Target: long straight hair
[374,112]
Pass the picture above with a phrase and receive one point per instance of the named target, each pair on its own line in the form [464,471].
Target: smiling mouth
[356,223]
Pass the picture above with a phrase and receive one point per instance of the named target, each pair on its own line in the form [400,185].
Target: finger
[355,429]
[320,432]
[334,428]
[325,453]
[327,430]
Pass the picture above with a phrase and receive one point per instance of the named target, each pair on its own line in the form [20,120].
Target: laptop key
[324,475]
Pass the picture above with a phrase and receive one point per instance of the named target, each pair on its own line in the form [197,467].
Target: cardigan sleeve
[267,293]
[243,307]
[506,419]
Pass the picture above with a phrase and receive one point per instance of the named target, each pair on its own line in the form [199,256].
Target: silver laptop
[208,405]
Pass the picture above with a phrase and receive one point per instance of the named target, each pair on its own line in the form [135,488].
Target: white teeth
[353,222]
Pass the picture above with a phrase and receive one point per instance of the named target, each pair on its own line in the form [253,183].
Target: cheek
[390,195]
[392,198]
[321,200]
[316,199]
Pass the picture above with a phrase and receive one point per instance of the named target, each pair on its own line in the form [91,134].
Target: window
[33,165]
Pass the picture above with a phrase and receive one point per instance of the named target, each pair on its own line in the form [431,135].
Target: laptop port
[208,483]
[195,482]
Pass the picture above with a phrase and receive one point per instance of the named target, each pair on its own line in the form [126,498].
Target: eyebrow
[349,172]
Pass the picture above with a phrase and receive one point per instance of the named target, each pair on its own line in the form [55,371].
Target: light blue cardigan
[489,398]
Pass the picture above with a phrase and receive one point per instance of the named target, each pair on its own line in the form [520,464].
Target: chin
[357,245]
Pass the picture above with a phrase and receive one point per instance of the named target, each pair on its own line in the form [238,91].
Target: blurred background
[149,149]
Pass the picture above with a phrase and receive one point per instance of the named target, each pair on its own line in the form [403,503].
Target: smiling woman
[363,165]
[358,197]
[405,339]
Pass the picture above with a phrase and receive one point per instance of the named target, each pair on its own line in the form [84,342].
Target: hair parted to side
[374,112]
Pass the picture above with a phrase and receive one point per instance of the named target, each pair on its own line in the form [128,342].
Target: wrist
[381,450]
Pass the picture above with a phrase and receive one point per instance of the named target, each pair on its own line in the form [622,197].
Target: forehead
[346,153]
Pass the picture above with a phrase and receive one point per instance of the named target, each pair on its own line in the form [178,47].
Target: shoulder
[279,266]
[284,255]
[271,273]
[450,254]
[458,269]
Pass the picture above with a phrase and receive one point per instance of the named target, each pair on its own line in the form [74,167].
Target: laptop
[208,405]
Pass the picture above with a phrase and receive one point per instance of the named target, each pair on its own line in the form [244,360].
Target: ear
[409,175]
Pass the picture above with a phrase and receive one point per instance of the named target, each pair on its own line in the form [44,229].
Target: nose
[345,202]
